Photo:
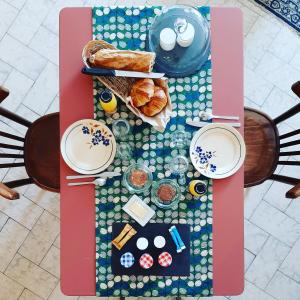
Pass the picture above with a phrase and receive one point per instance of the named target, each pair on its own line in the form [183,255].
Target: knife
[120,73]
[202,124]
[101,175]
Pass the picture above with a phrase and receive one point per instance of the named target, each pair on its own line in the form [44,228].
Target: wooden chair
[265,147]
[39,151]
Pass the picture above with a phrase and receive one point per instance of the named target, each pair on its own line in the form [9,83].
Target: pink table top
[77,203]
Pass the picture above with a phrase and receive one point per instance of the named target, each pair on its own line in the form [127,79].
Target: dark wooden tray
[180,261]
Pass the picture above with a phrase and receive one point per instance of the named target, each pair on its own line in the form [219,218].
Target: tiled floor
[29,227]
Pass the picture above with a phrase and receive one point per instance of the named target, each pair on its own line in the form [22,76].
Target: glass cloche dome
[187,26]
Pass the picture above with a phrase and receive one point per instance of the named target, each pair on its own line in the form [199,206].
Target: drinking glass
[121,129]
[124,151]
[180,139]
[179,166]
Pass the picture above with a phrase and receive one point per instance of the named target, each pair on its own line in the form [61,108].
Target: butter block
[138,210]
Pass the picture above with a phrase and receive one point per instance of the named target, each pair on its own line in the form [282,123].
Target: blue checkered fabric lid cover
[127,260]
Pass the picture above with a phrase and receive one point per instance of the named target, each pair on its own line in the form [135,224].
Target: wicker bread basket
[121,87]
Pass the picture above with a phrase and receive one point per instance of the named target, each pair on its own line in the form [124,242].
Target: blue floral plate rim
[96,137]
[204,158]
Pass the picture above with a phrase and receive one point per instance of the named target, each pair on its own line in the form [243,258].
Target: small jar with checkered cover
[127,260]
[146,261]
[165,259]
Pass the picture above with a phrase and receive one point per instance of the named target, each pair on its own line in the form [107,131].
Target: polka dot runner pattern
[126,28]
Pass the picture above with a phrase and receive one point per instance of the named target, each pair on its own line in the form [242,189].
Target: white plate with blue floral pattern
[88,146]
[217,150]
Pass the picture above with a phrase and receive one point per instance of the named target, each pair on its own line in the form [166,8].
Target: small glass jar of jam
[137,178]
[165,193]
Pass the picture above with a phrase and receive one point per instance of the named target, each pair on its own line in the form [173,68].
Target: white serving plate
[217,150]
[88,146]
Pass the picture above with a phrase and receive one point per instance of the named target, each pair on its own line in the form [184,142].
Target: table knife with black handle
[120,73]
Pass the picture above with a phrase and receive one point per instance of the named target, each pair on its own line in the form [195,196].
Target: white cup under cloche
[167,39]
[185,39]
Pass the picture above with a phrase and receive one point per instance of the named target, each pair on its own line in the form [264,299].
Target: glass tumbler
[179,166]
[180,139]
[121,129]
[124,151]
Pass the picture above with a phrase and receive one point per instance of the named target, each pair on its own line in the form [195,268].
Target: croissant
[142,91]
[141,61]
[156,104]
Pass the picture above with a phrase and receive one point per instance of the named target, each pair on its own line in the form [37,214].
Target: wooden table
[77,203]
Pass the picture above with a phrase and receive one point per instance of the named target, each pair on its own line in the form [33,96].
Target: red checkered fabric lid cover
[165,259]
[146,261]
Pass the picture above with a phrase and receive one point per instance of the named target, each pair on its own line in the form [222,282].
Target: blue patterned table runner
[126,28]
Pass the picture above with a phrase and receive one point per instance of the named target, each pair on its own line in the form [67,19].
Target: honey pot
[197,188]
[108,101]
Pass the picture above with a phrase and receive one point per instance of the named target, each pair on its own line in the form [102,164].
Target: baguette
[140,61]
